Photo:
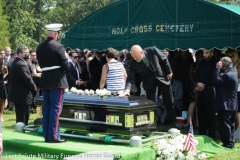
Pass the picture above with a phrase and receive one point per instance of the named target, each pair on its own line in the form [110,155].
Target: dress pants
[22,113]
[205,111]
[167,99]
[226,127]
[52,108]
[9,103]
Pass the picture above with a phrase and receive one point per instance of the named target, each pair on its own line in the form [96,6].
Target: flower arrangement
[171,148]
[101,93]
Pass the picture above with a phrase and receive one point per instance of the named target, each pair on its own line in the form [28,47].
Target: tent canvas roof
[162,23]
[233,8]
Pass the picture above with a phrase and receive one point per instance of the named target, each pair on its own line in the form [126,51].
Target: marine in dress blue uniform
[52,59]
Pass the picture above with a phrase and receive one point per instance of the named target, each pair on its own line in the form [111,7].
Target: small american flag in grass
[189,144]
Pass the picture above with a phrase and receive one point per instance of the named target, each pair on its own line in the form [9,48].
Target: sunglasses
[75,57]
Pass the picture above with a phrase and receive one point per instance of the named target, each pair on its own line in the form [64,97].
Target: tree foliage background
[4,32]
[27,18]
[23,21]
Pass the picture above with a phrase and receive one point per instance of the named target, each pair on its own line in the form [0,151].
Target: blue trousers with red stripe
[53,103]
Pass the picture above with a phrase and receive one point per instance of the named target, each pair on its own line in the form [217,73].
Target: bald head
[137,53]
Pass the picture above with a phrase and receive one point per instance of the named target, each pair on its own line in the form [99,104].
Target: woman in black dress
[3,90]
[36,73]
[193,100]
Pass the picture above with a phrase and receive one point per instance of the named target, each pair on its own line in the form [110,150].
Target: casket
[109,114]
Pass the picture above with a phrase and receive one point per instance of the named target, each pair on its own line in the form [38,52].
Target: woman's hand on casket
[124,93]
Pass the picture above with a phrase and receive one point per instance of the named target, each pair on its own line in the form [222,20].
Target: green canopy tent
[162,23]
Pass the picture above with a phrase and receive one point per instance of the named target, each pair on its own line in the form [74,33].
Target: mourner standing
[113,73]
[23,88]
[54,64]
[226,103]
[3,90]
[205,95]
[153,67]
[73,74]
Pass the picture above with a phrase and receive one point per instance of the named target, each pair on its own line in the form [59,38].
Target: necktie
[76,68]
[100,61]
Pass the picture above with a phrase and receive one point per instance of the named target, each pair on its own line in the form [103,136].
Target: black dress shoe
[231,147]
[177,125]
[56,141]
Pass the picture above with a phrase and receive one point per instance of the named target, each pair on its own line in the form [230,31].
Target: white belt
[50,68]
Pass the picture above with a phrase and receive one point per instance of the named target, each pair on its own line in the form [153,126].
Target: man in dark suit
[73,74]
[226,102]
[52,59]
[95,68]
[153,67]
[23,88]
[205,94]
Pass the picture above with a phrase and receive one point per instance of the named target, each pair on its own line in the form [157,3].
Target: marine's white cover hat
[54,27]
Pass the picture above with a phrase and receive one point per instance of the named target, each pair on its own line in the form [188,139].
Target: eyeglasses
[33,55]
[75,57]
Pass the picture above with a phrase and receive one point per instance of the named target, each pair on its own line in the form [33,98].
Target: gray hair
[124,51]
[21,49]
[226,61]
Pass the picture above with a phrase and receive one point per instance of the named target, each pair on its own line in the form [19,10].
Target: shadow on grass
[10,127]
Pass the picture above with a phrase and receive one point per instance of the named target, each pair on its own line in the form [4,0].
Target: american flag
[189,144]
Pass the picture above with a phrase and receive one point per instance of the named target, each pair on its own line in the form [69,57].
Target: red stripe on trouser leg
[59,111]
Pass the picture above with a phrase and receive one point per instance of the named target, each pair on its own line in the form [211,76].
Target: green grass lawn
[10,121]
[9,124]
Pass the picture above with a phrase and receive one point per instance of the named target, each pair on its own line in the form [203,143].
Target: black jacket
[51,53]
[158,62]
[95,68]
[72,77]
[23,88]
[226,90]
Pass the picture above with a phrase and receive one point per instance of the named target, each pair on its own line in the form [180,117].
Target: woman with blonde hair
[233,54]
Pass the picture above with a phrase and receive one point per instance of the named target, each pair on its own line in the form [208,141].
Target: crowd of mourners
[194,84]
